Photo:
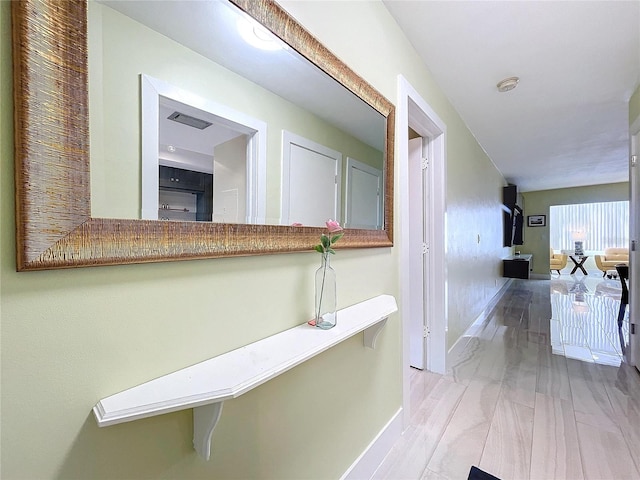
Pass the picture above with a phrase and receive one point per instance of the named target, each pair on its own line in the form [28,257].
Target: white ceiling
[566,124]
[187,147]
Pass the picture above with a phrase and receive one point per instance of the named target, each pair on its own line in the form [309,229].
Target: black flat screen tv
[507,229]
[510,196]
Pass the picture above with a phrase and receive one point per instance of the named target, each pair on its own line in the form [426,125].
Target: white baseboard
[461,342]
[369,461]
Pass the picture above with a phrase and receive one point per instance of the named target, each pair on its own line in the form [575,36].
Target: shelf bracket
[371,333]
[205,419]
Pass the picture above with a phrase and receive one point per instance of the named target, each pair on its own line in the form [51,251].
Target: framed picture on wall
[537,221]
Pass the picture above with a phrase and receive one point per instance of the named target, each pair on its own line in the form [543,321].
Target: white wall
[230,175]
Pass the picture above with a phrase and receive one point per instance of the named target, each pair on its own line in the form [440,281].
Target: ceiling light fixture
[258,36]
[507,84]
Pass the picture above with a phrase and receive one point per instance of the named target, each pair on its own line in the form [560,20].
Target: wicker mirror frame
[54,227]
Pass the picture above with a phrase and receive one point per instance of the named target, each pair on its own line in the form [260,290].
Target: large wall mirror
[154,131]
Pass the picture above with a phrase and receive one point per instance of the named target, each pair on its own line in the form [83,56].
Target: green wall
[536,239]
[71,337]
[474,187]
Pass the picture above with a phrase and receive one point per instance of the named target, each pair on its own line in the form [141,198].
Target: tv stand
[517,266]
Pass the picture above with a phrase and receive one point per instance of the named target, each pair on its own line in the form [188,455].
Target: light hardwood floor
[525,396]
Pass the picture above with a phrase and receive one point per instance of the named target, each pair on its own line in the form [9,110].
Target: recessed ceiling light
[258,36]
[507,84]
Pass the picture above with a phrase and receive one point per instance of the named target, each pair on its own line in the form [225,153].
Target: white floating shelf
[206,385]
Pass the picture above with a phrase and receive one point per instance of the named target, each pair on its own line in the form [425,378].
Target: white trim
[289,139]
[151,90]
[369,460]
[634,128]
[352,163]
[414,111]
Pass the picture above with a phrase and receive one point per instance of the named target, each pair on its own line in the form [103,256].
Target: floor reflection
[510,406]
[584,313]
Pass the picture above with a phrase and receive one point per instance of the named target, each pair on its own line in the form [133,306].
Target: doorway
[419,223]
[423,292]
[634,235]
[184,135]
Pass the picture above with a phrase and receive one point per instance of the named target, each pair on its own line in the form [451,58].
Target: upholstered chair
[611,258]
[557,261]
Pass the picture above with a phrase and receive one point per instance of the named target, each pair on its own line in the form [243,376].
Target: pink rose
[333,226]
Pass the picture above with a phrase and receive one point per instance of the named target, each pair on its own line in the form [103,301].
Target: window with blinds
[597,225]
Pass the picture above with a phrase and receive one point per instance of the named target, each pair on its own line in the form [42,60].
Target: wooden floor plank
[512,404]
[555,452]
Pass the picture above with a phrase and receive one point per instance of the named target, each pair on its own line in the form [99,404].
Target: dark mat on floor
[476,474]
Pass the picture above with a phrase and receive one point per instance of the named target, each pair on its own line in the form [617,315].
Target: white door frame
[634,234]
[413,111]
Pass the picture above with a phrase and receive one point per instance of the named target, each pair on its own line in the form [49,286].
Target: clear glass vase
[325,314]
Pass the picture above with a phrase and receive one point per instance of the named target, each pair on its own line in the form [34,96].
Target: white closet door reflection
[363,200]
[311,182]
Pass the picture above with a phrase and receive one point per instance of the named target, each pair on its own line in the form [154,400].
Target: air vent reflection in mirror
[189,120]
